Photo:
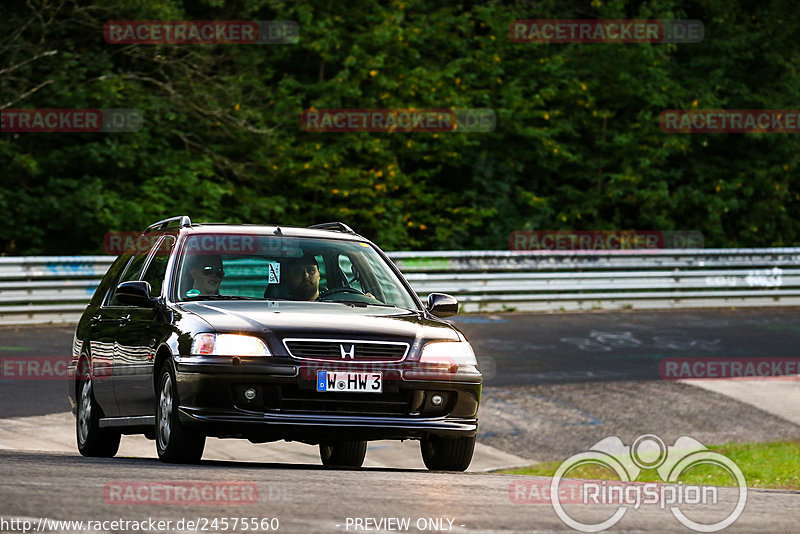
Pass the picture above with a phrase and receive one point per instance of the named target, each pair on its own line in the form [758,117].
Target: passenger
[207,274]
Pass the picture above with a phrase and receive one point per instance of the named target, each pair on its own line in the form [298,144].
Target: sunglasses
[208,270]
[310,270]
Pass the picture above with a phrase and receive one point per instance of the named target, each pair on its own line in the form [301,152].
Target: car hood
[320,320]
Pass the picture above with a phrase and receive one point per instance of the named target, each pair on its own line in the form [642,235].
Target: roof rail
[182,220]
[334,227]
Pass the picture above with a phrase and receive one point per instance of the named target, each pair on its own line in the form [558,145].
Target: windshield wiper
[361,304]
[355,303]
[219,297]
[388,306]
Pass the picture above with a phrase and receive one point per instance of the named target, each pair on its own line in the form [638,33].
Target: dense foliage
[577,143]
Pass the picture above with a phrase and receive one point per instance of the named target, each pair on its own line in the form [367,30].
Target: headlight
[229,345]
[448,352]
[441,360]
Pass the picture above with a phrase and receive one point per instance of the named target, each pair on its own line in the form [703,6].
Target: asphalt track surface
[556,385]
[308,499]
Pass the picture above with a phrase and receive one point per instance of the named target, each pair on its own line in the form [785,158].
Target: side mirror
[136,293]
[442,305]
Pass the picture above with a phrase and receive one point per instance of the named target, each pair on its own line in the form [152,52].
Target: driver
[303,278]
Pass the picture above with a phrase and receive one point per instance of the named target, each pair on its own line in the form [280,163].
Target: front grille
[345,350]
[295,399]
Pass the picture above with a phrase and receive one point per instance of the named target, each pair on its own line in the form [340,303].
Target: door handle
[96,319]
[125,319]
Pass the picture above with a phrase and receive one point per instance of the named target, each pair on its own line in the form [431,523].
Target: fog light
[249,394]
[436,400]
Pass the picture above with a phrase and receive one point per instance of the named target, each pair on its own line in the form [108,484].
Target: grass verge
[774,465]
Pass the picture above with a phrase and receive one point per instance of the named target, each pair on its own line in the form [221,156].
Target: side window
[350,272]
[109,280]
[390,291]
[157,269]
[131,272]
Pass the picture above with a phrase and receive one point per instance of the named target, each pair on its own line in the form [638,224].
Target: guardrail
[587,280]
[43,289]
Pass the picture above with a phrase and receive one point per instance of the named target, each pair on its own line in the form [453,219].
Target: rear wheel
[92,440]
[343,453]
[443,454]
[174,442]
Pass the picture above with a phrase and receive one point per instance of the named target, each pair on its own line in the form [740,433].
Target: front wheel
[442,454]
[175,443]
[343,453]
[92,440]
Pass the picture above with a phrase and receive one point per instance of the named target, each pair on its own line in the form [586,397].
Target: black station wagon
[268,333]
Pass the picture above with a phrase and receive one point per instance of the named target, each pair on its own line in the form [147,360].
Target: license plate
[349,382]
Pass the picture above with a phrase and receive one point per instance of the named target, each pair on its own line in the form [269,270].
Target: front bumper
[287,405]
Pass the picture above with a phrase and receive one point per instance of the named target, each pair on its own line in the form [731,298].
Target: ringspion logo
[194,32]
[70,120]
[648,452]
[605,31]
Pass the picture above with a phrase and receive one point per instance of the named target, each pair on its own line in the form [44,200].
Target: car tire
[443,454]
[92,440]
[175,443]
[343,453]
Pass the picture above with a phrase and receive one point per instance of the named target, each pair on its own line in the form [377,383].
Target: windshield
[233,266]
